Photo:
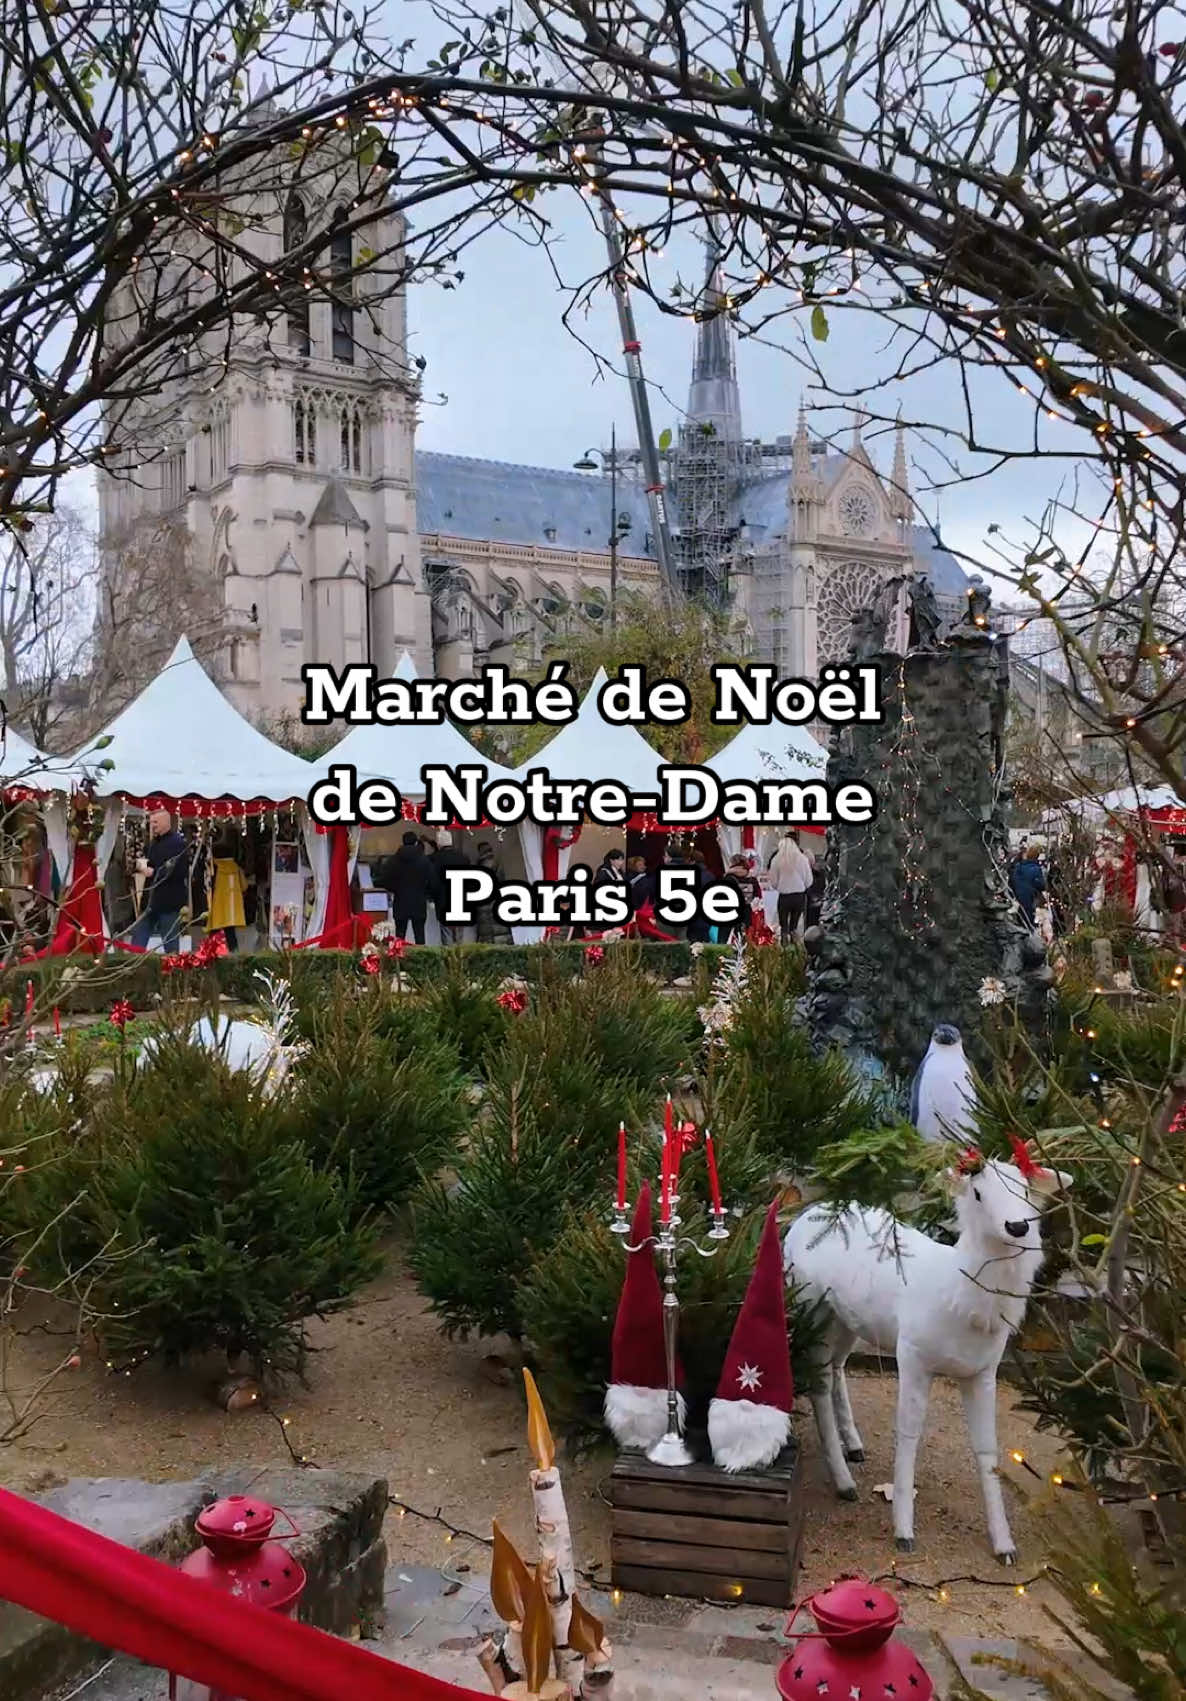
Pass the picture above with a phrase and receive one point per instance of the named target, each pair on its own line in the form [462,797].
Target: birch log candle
[551,1516]
[510,1584]
[537,1651]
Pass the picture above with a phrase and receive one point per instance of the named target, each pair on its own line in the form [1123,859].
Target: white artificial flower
[1122,980]
[992,991]
[698,949]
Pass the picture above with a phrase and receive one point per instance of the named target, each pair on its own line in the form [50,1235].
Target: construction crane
[631,345]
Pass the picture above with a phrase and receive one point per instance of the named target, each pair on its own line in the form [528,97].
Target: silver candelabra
[671,1449]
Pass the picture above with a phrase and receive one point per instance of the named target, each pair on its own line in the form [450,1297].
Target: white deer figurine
[941,1310]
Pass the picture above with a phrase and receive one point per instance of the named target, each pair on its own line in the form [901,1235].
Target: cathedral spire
[900,506]
[801,450]
[714,398]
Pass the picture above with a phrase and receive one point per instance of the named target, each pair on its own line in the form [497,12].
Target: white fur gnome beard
[637,1417]
[744,1436]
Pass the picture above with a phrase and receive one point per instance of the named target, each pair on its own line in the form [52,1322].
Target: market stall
[38,851]
[399,752]
[183,747]
[1132,820]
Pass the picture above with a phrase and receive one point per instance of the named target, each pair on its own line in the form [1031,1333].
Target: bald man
[166,863]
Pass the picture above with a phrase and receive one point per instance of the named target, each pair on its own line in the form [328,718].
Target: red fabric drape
[80,918]
[556,840]
[338,928]
[144,1608]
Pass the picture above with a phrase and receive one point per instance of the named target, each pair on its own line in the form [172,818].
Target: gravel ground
[387,1393]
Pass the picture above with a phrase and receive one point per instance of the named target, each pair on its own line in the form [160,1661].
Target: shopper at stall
[227,913]
[411,879]
[445,857]
[166,893]
[791,875]
[490,930]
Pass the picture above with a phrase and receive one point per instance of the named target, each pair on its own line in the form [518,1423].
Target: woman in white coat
[791,873]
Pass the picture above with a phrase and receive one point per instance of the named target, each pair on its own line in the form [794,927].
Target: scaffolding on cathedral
[712,459]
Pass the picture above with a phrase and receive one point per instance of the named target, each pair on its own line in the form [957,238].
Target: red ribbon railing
[139,1606]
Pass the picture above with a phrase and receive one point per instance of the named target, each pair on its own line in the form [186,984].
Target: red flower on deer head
[513,999]
[122,1012]
[971,1162]
[213,946]
[396,948]
[685,1133]
[595,954]
[1023,1159]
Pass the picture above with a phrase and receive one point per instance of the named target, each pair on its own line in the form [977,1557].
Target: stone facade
[324,536]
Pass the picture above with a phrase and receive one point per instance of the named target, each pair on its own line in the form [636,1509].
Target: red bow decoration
[1022,1158]
[685,1133]
[971,1162]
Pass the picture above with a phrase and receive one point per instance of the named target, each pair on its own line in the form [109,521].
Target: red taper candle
[714,1184]
[28,998]
[621,1166]
[57,1023]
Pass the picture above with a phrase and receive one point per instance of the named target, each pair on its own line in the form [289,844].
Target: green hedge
[79,986]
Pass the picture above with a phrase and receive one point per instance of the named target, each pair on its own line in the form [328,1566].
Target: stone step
[340,1519]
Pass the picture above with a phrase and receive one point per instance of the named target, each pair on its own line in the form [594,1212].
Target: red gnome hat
[749,1421]
[636,1399]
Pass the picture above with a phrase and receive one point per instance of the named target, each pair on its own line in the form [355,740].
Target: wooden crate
[703,1533]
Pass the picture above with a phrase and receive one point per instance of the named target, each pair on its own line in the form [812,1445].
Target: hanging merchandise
[286,921]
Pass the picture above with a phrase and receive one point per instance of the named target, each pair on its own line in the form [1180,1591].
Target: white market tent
[774,752]
[400,750]
[182,739]
[590,747]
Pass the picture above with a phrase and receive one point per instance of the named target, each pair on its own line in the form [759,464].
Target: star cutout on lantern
[750,1377]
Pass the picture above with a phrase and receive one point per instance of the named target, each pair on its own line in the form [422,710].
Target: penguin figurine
[942,1096]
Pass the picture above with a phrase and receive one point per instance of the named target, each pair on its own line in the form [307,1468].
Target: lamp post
[595,460]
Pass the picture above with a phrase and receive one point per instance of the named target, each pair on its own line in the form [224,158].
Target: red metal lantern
[240,1556]
[849,1656]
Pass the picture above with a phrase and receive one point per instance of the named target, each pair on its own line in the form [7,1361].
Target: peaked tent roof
[773,752]
[397,751]
[182,738]
[593,748]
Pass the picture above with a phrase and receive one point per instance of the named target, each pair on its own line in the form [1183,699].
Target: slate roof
[461,496]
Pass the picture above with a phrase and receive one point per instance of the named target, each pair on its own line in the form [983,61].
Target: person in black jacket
[166,863]
[640,883]
[411,879]
[611,870]
[446,857]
